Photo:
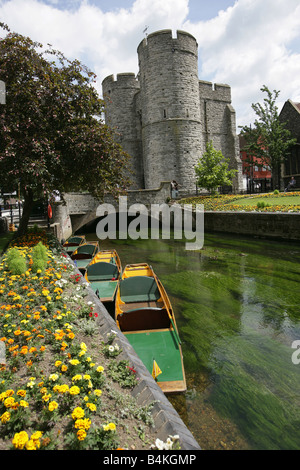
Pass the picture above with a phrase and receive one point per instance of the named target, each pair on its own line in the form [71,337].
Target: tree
[212,169]
[52,135]
[268,141]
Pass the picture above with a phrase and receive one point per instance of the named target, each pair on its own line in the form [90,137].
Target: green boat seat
[144,319]
[86,250]
[74,240]
[102,271]
[139,289]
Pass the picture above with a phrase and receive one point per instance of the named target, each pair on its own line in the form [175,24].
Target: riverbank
[268,202]
[70,380]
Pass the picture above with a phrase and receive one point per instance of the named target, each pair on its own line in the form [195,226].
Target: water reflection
[237,309]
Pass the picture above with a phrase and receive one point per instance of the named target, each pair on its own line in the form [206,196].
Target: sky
[242,43]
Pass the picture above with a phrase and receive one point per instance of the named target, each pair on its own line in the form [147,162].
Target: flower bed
[231,202]
[63,386]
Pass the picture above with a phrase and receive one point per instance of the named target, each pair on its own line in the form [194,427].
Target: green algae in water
[257,386]
[237,309]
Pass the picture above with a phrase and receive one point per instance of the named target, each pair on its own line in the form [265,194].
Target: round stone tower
[170,108]
[120,114]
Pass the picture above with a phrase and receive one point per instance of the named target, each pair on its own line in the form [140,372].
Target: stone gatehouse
[165,115]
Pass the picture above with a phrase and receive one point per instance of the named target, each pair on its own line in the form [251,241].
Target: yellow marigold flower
[20,439]
[74,390]
[64,368]
[78,413]
[5,417]
[91,406]
[83,423]
[98,392]
[87,377]
[30,445]
[81,434]
[109,427]
[83,346]
[37,435]
[52,405]
[57,363]
[46,397]
[24,403]
[64,388]
[100,369]
[53,377]
[77,377]
[9,402]
[21,393]
[74,362]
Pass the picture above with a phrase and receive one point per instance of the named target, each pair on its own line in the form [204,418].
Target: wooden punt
[103,273]
[84,254]
[73,243]
[144,314]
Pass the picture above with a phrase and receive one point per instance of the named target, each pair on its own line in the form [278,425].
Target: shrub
[262,205]
[16,262]
[39,257]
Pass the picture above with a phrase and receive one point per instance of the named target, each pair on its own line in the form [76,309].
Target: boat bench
[144,319]
[102,271]
[139,289]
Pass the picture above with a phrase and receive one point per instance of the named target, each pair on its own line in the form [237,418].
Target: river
[236,303]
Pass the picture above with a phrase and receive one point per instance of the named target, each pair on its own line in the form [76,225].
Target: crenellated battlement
[214,91]
[122,80]
[165,115]
[164,38]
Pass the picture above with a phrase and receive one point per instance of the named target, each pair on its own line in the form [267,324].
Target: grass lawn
[281,202]
[276,200]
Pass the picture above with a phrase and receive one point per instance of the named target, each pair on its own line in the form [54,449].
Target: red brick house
[255,177]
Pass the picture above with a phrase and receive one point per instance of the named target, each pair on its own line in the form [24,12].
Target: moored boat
[144,314]
[73,243]
[84,254]
[103,273]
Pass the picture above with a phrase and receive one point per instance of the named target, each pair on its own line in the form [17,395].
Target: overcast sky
[243,43]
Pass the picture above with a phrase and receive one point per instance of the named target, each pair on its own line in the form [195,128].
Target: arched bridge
[81,208]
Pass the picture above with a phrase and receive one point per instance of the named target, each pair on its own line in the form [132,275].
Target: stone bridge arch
[78,209]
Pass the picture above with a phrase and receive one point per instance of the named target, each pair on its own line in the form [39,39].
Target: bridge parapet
[80,208]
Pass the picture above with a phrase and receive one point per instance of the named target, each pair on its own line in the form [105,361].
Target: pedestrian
[174,189]
[291,184]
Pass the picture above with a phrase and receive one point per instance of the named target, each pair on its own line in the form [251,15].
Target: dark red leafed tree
[52,135]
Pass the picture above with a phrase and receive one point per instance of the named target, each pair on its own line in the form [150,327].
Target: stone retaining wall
[277,225]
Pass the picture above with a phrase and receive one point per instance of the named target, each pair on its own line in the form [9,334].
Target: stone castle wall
[165,115]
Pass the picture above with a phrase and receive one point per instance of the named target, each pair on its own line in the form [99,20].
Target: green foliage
[212,169]
[15,261]
[39,257]
[120,372]
[262,204]
[52,125]
[268,141]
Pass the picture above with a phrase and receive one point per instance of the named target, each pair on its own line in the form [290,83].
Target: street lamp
[2,93]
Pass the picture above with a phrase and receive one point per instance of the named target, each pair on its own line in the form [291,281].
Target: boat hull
[144,314]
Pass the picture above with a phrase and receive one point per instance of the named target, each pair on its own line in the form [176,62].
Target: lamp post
[2,93]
